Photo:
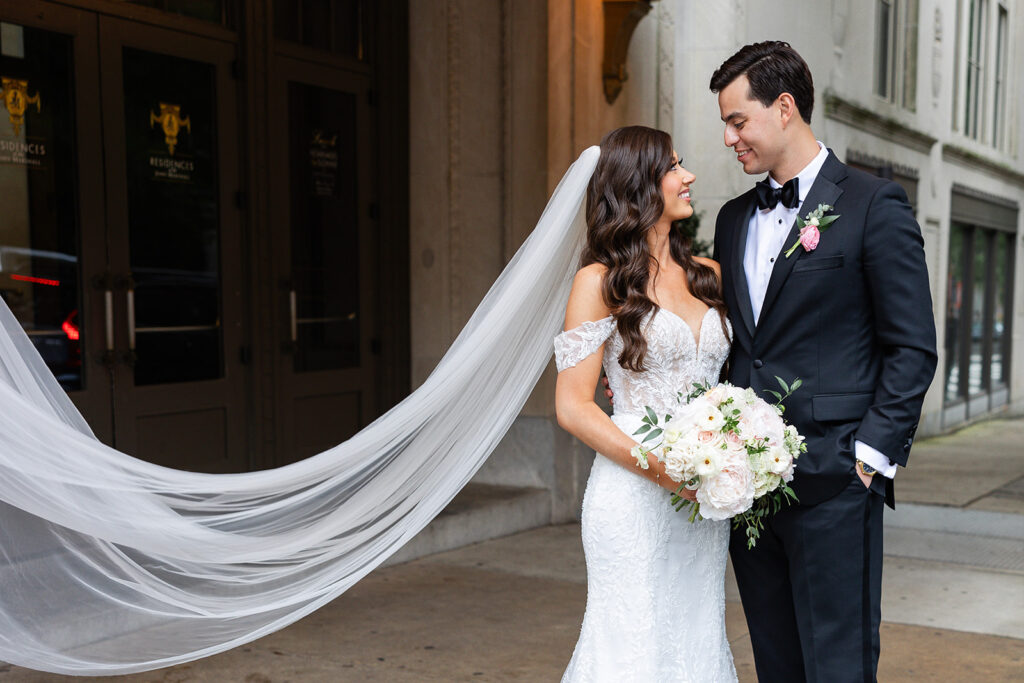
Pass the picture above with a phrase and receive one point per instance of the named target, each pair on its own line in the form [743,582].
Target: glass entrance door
[52,232]
[327,352]
[120,251]
[170,141]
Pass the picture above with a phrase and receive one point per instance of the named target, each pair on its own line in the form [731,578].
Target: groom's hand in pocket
[608,391]
[864,479]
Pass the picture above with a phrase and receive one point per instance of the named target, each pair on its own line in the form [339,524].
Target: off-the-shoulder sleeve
[574,345]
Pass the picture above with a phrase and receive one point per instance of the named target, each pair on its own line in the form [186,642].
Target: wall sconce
[620,20]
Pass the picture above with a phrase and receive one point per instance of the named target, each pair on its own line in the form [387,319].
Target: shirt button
[780,221]
[772,259]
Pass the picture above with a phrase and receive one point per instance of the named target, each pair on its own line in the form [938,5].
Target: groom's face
[753,130]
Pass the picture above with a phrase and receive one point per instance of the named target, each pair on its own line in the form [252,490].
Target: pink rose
[708,437]
[716,395]
[809,237]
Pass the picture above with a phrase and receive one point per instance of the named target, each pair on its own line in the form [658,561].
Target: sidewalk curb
[955,520]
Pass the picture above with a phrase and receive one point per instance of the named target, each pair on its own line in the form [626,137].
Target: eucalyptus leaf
[653,435]
[644,428]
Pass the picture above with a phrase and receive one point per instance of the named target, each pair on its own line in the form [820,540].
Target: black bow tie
[768,196]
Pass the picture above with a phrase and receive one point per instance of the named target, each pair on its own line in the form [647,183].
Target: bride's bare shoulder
[586,301]
[590,276]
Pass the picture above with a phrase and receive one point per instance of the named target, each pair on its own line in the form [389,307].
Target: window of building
[896,51]
[904,176]
[975,77]
[984,71]
[999,102]
[979,291]
[337,26]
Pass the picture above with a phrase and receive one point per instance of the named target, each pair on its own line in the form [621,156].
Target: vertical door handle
[294,316]
[129,297]
[104,282]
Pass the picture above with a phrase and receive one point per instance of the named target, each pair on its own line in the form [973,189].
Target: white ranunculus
[708,417]
[707,463]
[778,460]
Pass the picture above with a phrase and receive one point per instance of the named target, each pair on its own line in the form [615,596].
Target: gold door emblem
[170,120]
[16,99]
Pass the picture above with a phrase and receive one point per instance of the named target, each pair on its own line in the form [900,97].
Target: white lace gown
[655,582]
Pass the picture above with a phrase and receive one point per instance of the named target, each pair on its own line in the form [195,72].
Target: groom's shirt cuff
[868,455]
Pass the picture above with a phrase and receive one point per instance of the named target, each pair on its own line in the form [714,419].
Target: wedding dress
[655,582]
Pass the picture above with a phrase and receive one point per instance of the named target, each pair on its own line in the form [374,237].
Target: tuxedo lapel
[739,275]
[825,190]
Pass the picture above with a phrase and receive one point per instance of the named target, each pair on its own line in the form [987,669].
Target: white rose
[673,462]
[672,435]
[729,493]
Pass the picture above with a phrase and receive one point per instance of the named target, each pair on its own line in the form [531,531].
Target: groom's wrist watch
[866,469]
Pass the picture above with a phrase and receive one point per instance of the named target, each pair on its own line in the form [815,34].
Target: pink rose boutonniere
[811,228]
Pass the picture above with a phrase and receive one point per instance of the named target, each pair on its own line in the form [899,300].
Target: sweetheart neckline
[698,336]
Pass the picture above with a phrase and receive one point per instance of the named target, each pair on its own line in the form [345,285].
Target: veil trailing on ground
[113,565]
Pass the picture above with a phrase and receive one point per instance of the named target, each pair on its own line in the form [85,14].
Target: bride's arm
[575,408]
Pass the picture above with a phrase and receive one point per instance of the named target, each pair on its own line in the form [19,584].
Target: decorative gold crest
[170,120]
[16,99]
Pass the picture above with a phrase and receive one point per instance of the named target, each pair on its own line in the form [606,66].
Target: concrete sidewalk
[509,609]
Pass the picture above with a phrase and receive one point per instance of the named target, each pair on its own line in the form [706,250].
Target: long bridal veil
[113,565]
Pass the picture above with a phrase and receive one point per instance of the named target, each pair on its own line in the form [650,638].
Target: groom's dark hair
[772,67]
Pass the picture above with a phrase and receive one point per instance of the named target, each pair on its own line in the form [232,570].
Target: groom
[849,313]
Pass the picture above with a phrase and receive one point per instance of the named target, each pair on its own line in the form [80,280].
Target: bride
[112,565]
[653,315]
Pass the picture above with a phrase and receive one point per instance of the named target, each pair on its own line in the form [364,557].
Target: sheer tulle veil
[113,565]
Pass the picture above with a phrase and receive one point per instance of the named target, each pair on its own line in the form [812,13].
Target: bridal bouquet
[730,446]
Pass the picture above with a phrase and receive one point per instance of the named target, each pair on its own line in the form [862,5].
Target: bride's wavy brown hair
[623,202]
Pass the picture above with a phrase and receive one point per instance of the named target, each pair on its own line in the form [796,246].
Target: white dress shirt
[766,237]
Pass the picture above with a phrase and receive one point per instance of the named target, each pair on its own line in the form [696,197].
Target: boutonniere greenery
[811,227]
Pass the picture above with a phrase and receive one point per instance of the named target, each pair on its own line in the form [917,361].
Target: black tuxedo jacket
[852,319]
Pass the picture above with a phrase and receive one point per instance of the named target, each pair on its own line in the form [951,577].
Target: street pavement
[509,609]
